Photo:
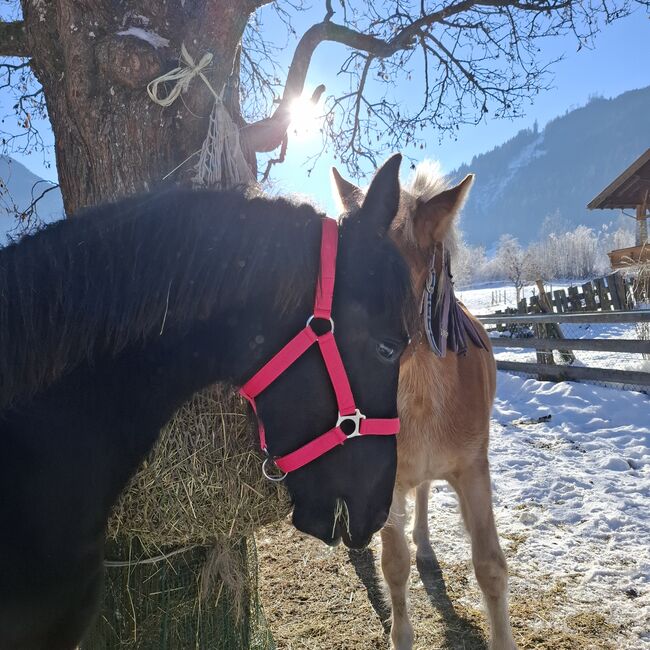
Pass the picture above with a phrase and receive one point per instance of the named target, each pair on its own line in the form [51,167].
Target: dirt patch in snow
[316,598]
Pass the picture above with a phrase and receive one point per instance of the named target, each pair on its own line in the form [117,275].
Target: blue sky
[618,62]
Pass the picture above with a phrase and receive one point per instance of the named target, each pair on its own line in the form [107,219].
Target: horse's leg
[421,523]
[473,487]
[396,566]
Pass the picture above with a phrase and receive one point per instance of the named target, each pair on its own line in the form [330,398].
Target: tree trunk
[111,139]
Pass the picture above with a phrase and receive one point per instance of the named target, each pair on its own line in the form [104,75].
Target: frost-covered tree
[468,264]
[575,254]
[512,261]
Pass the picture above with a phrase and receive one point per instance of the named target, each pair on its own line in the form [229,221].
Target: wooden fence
[610,292]
[546,369]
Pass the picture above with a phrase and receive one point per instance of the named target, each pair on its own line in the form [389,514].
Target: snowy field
[573,489]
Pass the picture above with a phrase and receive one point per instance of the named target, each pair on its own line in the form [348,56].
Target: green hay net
[181,564]
[160,606]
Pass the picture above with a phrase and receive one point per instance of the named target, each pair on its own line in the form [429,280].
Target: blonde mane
[426,181]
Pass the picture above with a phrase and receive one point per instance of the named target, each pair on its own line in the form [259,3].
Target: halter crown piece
[349,415]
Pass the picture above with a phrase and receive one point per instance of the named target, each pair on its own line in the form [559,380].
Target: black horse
[109,321]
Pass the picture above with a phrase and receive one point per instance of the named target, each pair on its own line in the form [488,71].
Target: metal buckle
[431,278]
[431,283]
[356,419]
[331,320]
[275,478]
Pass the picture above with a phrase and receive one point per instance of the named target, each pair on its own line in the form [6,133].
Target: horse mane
[426,181]
[119,273]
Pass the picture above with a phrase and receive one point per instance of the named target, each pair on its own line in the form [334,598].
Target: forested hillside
[552,174]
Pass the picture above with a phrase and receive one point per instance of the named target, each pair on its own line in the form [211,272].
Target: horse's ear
[348,195]
[382,198]
[433,218]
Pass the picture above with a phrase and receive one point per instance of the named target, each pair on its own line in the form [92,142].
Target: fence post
[543,356]
[552,330]
[605,302]
[590,300]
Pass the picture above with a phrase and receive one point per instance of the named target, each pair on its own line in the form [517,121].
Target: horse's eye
[387,351]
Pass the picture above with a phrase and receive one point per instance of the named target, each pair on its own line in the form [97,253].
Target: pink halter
[349,415]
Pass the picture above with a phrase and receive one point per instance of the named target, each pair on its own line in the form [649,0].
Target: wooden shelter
[630,190]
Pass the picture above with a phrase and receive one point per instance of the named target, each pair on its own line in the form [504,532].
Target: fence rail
[638,316]
[577,373]
[548,337]
[627,346]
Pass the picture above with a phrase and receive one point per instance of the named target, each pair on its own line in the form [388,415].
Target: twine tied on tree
[181,77]
[221,160]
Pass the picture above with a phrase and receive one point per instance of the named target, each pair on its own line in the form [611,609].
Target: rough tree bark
[94,59]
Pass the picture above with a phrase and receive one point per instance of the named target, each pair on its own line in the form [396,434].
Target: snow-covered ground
[573,492]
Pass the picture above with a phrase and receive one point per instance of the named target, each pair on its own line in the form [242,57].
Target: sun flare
[304,122]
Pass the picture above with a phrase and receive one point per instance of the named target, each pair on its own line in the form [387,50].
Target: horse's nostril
[356,544]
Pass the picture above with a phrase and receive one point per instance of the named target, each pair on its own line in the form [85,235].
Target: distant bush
[574,254]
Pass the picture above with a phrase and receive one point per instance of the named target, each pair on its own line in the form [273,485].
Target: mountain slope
[18,188]
[556,172]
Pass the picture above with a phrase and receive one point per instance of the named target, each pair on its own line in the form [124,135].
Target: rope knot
[181,77]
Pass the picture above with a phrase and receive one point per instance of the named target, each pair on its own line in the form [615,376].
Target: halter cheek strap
[349,416]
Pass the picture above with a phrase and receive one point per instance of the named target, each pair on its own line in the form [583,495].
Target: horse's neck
[251,323]
[127,278]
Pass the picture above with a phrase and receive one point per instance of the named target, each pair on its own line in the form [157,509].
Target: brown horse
[444,400]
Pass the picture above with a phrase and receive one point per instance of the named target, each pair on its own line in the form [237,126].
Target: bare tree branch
[27,218]
[359,99]
[329,10]
[13,39]
[27,102]
[276,161]
[267,134]
[478,57]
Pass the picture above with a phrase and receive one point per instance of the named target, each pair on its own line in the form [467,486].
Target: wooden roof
[630,189]
[622,258]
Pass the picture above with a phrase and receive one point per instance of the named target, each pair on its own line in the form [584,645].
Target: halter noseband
[349,415]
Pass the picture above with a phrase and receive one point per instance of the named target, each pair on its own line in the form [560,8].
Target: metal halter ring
[331,320]
[276,478]
[355,418]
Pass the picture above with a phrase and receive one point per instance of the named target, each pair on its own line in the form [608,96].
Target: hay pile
[202,483]
[180,571]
